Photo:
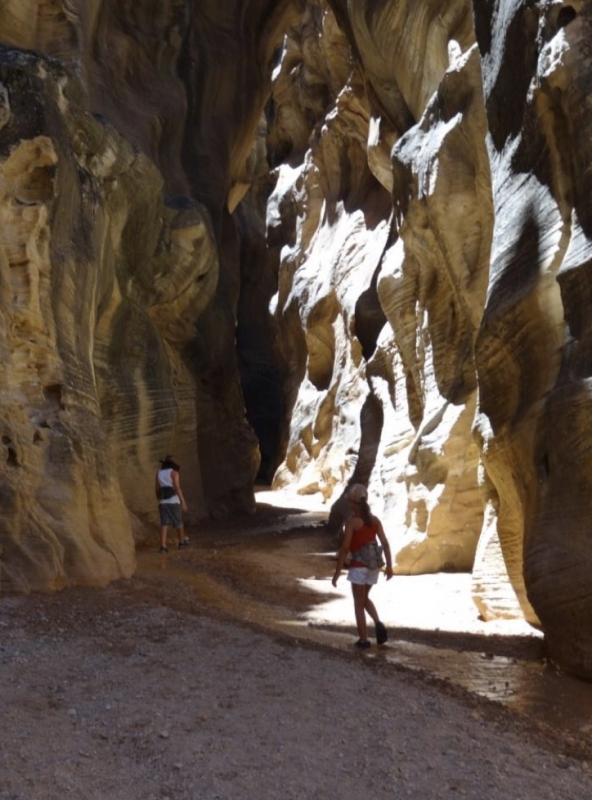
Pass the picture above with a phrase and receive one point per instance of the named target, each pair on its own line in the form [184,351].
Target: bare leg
[163,535]
[181,533]
[359,594]
[369,605]
[381,632]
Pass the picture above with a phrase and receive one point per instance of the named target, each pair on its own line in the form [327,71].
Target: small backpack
[370,555]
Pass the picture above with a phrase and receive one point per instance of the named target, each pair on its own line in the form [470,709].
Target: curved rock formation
[125,142]
[436,342]
[383,283]
[91,259]
[532,367]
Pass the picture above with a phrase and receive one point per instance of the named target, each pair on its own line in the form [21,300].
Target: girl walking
[361,532]
[171,502]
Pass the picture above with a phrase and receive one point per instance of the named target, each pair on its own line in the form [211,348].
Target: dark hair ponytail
[365,512]
[168,463]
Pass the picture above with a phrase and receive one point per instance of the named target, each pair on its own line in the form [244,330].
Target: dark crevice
[261,370]
[483,20]
[565,16]
[370,319]
[507,102]
[53,394]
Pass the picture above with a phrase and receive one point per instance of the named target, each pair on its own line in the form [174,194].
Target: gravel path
[109,695]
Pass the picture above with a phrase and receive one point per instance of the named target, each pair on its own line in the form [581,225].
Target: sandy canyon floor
[227,670]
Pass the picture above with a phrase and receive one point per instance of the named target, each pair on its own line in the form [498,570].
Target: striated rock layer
[125,144]
[532,349]
[432,205]
[387,215]
[91,261]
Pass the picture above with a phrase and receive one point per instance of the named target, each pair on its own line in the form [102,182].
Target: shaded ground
[168,686]
[275,572]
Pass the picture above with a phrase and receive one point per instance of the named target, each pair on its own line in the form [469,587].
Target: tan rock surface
[438,342]
[381,308]
[119,262]
[88,391]
[532,382]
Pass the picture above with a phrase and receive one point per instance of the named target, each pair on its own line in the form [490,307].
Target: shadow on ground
[273,570]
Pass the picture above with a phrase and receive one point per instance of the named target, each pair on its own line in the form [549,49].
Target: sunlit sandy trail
[273,570]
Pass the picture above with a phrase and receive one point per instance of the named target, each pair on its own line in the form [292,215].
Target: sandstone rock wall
[126,141]
[91,259]
[387,220]
[433,291]
[534,410]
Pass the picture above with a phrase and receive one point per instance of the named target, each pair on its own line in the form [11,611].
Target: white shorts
[363,575]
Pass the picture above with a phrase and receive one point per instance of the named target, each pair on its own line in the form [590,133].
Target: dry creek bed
[147,689]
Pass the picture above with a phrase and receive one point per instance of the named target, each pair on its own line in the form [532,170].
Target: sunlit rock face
[432,203]
[126,141]
[386,213]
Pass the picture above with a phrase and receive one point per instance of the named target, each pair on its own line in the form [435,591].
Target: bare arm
[177,488]
[157,487]
[343,550]
[386,548]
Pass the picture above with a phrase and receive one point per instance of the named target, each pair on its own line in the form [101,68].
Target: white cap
[357,492]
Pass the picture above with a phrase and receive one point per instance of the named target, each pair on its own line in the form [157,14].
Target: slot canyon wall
[126,142]
[368,222]
[432,292]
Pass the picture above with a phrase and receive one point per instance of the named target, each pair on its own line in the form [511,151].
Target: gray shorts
[170,514]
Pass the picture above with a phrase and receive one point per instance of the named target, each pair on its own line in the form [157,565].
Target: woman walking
[171,502]
[361,532]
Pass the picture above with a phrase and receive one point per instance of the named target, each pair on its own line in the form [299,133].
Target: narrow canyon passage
[308,243]
[273,570]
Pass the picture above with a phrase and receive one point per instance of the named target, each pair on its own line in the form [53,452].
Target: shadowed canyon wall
[367,222]
[126,141]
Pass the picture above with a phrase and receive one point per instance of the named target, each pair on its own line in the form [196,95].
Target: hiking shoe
[381,633]
[184,543]
[164,550]
[360,645]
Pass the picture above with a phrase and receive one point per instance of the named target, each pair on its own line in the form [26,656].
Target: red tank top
[361,536]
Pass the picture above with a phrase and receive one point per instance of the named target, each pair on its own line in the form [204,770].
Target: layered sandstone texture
[432,205]
[126,141]
[532,353]
[386,212]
